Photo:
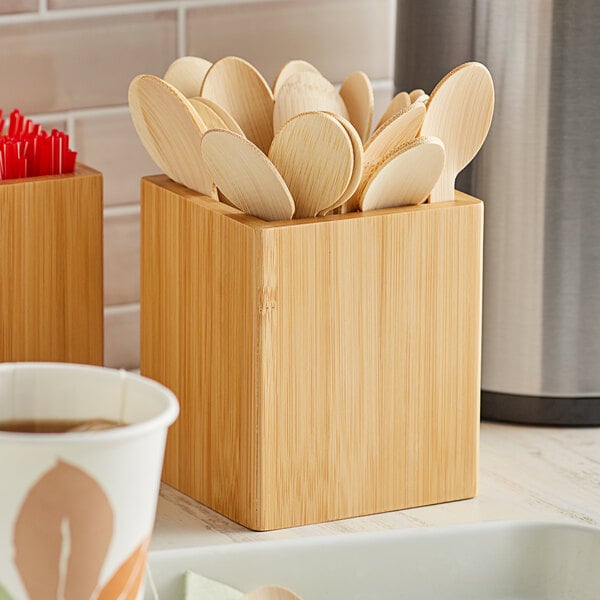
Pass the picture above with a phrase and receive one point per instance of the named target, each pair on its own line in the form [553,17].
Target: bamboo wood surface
[313,152]
[404,176]
[246,176]
[326,368]
[416,94]
[290,68]
[398,129]
[357,94]
[305,92]
[187,74]
[208,116]
[401,101]
[357,168]
[171,130]
[459,112]
[241,90]
[230,122]
[51,294]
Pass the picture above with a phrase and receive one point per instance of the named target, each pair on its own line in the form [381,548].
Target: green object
[198,587]
[4,595]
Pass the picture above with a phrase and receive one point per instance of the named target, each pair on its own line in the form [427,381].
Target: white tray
[492,561]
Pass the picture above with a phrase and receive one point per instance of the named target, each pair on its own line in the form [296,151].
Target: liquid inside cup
[58,425]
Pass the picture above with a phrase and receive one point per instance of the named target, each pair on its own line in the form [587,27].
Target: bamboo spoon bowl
[313,152]
[405,176]
[186,74]
[291,68]
[357,94]
[416,94]
[357,169]
[246,176]
[207,115]
[230,122]
[306,92]
[459,112]
[241,90]
[397,130]
[171,131]
[399,102]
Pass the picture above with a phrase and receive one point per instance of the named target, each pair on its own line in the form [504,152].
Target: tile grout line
[43,14]
[104,111]
[81,113]
[181,32]
[392,33]
[122,210]
[115,309]
[71,131]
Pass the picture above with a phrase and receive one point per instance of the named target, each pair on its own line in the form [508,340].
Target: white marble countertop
[525,473]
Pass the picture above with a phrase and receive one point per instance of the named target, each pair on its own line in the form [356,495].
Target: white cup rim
[161,421]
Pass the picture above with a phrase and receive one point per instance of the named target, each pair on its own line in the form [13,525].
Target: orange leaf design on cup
[62,534]
[125,583]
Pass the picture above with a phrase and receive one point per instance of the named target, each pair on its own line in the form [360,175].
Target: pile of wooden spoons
[301,148]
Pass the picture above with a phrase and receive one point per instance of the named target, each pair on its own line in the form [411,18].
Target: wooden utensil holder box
[326,368]
[51,294]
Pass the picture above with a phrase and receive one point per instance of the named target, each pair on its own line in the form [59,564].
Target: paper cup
[77,509]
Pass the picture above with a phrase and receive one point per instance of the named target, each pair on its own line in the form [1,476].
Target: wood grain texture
[357,94]
[311,391]
[241,90]
[314,154]
[207,115]
[246,176]
[398,129]
[187,74]
[51,294]
[398,103]
[230,122]
[302,92]
[357,169]
[459,112]
[171,130]
[290,68]
[404,176]
[416,94]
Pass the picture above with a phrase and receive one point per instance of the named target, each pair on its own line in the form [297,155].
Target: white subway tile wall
[68,63]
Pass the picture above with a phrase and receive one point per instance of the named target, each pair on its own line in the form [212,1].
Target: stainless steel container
[539,176]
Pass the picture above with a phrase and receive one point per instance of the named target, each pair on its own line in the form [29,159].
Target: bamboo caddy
[51,302]
[325,367]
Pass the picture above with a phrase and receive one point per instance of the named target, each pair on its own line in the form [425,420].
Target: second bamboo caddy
[326,368]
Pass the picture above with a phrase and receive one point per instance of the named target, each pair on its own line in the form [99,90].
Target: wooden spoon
[357,169]
[209,117]
[313,153]
[246,176]
[416,94]
[406,176]
[422,99]
[397,130]
[229,121]
[187,74]
[306,92]
[459,112]
[398,103]
[241,90]
[357,94]
[171,131]
[271,592]
[291,68]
